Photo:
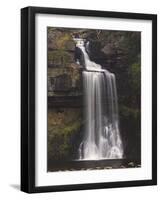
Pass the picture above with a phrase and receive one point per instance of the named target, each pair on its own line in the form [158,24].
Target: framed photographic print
[88,99]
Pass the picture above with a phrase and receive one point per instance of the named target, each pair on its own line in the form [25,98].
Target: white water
[102,136]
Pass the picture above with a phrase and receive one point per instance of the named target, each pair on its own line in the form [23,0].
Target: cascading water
[102,136]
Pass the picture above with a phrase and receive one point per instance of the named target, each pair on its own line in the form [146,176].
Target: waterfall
[101,135]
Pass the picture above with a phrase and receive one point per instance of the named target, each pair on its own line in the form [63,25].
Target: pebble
[131,164]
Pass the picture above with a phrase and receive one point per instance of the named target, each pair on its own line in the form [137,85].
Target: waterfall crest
[101,135]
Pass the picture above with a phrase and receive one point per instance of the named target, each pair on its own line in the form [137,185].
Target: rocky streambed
[92,165]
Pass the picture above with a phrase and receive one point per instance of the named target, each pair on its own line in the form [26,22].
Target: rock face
[60,39]
[65,81]
[64,75]
[60,58]
[61,83]
[64,96]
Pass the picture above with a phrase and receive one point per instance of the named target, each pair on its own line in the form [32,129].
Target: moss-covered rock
[63,126]
[60,58]
[67,79]
[135,77]
[64,75]
[60,39]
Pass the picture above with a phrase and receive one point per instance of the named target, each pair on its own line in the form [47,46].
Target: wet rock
[98,167]
[79,56]
[67,79]
[108,167]
[61,83]
[131,164]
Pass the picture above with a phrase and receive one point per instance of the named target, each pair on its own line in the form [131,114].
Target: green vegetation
[135,74]
[127,112]
[60,58]
[63,126]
